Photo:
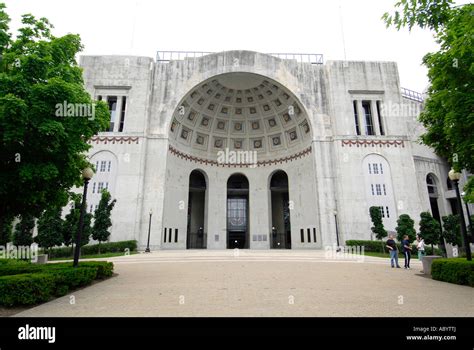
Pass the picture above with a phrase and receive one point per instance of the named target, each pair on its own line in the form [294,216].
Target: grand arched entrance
[237,128]
[196,233]
[237,212]
[280,211]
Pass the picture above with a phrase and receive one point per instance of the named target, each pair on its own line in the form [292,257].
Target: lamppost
[468,213]
[87,174]
[147,250]
[454,177]
[338,249]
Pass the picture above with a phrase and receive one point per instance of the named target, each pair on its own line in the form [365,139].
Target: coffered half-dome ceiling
[240,111]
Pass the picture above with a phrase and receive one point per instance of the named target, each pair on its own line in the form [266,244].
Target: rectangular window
[112,102]
[302,235]
[170,232]
[106,185]
[372,187]
[369,125]
[382,212]
[388,214]
[102,166]
[370,168]
[90,208]
[109,166]
[378,189]
[356,117]
[376,168]
[314,235]
[97,166]
[309,235]
[99,98]
[381,168]
[164,236]
[93,187]
[100,187]
[122,113]
[175,235]
[384,190]
[382,131]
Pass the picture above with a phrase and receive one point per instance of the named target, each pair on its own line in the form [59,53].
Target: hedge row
[27,284]
[379,246]
[104,269]
[111,247]
[458,271]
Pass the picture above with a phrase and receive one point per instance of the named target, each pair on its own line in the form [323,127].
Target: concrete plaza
[260,283]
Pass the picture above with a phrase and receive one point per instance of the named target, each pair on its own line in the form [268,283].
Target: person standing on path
[392,248]
[420,246]
[406,250]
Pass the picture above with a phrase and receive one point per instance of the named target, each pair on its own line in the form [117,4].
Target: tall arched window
[432,187]
[281,228]
[196,230]
[379,192]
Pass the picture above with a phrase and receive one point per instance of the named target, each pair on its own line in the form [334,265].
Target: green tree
[448,114]
[102,221]
[23,234]
[6,231]
[42,151]
[452,230]
[405,226]
[50,228]
[430,230]
[378,228]
[71,223]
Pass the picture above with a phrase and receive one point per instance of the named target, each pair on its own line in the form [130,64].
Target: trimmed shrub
[26,289]
[12,262]
[46,281]
[111,247]
[104,269]
[376,246]
[369,246]
[458,271]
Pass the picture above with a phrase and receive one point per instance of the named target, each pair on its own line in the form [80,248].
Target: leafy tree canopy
[41,152]
[448,114]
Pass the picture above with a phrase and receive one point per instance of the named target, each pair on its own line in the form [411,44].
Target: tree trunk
[99,247]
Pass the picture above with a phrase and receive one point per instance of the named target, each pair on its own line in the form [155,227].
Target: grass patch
[94,256]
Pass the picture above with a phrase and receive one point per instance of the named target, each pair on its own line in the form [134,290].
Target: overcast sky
[141,27]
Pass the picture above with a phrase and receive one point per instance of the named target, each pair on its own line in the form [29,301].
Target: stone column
[375,117]
[216,209]
[361,118]
[258,211]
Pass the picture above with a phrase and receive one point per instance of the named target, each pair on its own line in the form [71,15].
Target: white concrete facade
[165,136]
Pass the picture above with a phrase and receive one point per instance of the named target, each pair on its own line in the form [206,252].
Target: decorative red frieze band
[373,143]
[194,159]
[114,139]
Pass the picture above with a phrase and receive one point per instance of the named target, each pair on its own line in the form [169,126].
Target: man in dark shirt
[392,248]
[406,250]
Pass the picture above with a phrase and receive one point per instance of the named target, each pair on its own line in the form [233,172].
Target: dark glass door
[237,220]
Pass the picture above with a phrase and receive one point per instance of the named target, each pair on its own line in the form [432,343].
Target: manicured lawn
[94,256]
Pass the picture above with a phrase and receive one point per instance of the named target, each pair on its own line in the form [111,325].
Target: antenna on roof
[341,21]
[133,28]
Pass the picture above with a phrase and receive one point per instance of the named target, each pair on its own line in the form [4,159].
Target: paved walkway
[260,283]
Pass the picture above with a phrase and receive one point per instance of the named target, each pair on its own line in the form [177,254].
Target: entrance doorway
[281,226]
[237,212]
[196,234]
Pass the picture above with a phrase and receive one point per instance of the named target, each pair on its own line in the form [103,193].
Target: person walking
[392,248]
[420,246]
[406,250]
